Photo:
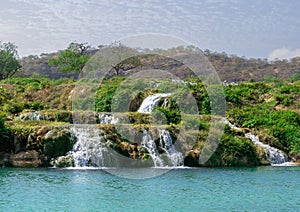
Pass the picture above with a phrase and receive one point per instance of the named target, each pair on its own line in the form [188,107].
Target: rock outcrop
[29,158]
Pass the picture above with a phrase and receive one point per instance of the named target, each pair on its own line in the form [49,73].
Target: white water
[151,101]
[34,116]
[166,144]
[89,148]
[149,144]
[275,156]
[107,119]
[174,158]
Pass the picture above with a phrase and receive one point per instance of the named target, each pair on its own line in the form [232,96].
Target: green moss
[57,142]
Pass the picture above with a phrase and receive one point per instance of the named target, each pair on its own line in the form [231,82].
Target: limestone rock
[29,158]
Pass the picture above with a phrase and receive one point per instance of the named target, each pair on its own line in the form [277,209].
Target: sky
[254,29]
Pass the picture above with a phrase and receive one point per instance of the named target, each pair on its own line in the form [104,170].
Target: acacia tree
[121,51]
[71,59]
[9,63]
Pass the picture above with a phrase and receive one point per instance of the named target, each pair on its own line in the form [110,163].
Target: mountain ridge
[230,68]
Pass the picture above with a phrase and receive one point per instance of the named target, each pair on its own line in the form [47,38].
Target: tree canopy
[9,63]
[71,59]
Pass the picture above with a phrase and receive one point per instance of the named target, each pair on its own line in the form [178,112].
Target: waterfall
[174,158]
[107,119]
[33,116]
[36,116]
[89,148]
[166,144]
[275,156]
[151,101]
[149,144]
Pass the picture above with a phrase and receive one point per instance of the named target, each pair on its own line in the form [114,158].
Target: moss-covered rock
[57,142]
[47,115]
[262,156]
[63,161]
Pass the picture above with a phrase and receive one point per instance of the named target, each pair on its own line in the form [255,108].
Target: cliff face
[41,142]
[33,145]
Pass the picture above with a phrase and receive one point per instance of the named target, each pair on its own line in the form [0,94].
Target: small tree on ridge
[9,64]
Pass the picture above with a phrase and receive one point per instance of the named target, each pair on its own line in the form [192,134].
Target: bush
[13,107]
[294,78]
[286,100]
[234,151]
[5,137]
[284,125]
[35,106]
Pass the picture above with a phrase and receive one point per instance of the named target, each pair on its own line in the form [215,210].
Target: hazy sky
[256,28]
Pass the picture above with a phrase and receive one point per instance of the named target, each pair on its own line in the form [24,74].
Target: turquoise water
[199,189]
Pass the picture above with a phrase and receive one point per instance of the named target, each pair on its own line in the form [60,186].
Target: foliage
[281,124]
[9,63]
[5,136]
[269,109]
[172,113]
[294,78]
[106,92]
[72,59]
[27,93]
[229,67]
[234,150]
[246,93]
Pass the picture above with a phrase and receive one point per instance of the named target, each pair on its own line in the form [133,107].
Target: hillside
[269,110]
[229,67]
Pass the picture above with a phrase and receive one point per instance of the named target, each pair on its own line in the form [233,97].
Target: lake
[192,189]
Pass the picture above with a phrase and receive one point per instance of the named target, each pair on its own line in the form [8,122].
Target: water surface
[198,189]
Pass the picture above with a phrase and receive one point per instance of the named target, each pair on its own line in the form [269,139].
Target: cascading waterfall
[33,116]
[151,101]
[36,116]
[166,144]
[174,157]
[275,156]
[149,144]
[107,119]
[89,149]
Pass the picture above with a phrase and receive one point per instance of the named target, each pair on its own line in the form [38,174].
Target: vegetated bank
[268,109]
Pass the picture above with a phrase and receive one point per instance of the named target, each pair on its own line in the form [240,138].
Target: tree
[121,51]
[9,63]
[72,59]
[126,65]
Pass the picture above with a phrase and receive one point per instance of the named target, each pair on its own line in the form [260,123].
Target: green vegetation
[234,150]
[268,108]
[273,113]
[72,59]
[9,63]
[36,93]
